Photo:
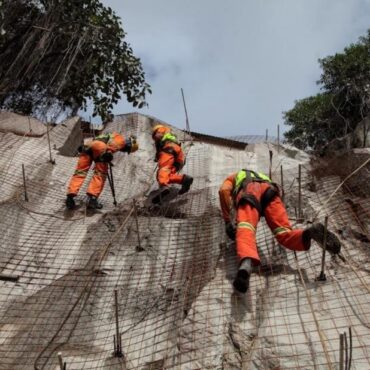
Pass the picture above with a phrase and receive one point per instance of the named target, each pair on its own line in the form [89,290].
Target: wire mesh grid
[172,267]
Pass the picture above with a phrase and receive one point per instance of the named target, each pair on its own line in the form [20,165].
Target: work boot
[164,191]
[241,282]
[316,232]
[93,203]
[70,202]
[186,183]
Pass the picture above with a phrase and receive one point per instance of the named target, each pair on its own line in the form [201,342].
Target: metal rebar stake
[62,364]
[111,183]
[186,116]
[345,351]
[24,183]
[299,191]
[52,161]
[29,124]
[341,352]
[270,168]
[278,137]
[117,338]
[322,276]
[350,348]
[137,223]
[282,183]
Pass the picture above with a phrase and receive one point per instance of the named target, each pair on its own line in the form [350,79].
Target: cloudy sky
[241,63]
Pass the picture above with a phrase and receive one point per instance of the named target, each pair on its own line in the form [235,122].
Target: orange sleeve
[225,194]
[180,154]
[117,143]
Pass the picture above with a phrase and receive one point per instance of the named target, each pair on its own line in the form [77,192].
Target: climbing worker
[100,150]
[170,158]
[254,195]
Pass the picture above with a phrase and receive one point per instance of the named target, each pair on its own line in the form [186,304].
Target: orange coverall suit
[170,158]
[92,152]
[247,217]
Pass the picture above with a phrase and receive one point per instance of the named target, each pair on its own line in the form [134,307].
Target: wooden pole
[278,137]
[267,134]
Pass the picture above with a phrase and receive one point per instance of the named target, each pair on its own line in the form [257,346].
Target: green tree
[59,55]
[347,76]
[311,121]
[344,102]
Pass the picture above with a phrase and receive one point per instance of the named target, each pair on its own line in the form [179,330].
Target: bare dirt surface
[173,266]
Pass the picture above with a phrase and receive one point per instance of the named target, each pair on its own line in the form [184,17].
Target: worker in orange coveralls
[254,195]
[100,150]
[170,158]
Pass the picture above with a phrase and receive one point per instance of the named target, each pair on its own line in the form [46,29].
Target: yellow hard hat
[156,127]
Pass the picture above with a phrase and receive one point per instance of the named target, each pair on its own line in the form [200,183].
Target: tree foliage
[63,54]
[344,102]
[311,122]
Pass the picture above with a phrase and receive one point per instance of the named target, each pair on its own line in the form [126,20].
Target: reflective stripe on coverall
[97,148]
[247,218]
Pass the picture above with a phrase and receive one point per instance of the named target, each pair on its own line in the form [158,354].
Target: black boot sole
[332,242]
[159,198]
[70,204]
[186,187]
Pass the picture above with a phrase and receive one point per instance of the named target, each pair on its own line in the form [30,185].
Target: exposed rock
[67,136]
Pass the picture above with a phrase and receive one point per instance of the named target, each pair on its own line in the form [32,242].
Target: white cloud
[241,63]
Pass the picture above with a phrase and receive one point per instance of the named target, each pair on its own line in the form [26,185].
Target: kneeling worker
[254,195]
[170,158]
[100,150]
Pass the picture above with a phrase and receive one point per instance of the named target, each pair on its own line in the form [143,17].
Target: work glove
[127,147]
[178,166]
[230,230]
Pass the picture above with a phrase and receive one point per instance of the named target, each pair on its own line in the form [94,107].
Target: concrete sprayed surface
[176,306]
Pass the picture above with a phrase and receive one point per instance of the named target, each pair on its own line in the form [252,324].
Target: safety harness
[105,138]
[104,157]
[245,177]
[169,137]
